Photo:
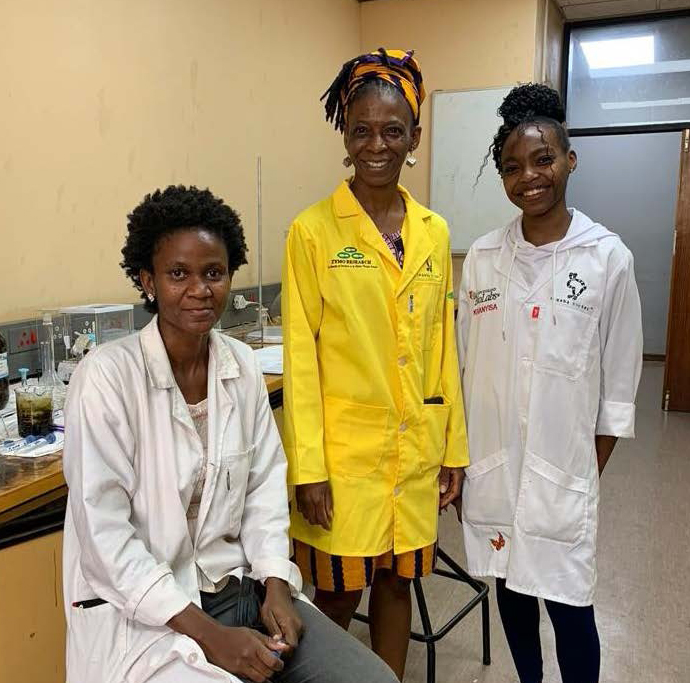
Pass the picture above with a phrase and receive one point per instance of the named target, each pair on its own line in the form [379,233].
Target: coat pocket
[231,487]
[355,436]
[426,308]
[553,503]
[487,494]
[433,438]
[96,643]
[565,348]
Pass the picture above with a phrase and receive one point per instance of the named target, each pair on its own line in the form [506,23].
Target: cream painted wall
[104,101]
[461,44]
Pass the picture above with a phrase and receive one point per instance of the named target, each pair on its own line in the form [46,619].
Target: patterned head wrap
[396,67]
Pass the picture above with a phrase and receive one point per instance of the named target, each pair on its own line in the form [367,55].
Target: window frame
[615,21]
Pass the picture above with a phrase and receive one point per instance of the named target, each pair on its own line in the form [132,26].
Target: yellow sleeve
[457,451]
[302,307]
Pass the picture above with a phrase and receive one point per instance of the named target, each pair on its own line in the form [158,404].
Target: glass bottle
[49,376]
[4,374]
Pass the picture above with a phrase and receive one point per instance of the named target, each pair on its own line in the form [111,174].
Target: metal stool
[429,636]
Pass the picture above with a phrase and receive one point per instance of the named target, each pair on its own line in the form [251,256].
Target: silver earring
[411,160]
[347,162]
[150,297]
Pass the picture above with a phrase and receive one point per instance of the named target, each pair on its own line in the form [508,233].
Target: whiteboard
[463,125]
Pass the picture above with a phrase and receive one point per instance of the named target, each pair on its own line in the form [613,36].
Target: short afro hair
[162,213]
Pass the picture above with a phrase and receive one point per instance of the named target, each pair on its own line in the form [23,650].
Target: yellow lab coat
[365,344]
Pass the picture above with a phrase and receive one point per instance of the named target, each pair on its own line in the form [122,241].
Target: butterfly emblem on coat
[498,543]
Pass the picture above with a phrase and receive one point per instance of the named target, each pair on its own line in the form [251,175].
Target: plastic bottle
[28,443]
[36,443]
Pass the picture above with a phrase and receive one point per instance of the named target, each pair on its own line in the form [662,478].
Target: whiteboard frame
[441,91]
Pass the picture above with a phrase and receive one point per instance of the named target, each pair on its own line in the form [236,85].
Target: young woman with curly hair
[550,345]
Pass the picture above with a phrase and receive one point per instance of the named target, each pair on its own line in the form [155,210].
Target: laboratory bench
[27,483]
[33,497]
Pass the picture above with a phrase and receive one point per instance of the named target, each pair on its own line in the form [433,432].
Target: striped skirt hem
[340,573]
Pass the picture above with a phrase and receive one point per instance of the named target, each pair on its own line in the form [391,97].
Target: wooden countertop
[273,383]
[25,480]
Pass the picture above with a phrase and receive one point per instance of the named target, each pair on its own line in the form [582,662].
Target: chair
[429,636]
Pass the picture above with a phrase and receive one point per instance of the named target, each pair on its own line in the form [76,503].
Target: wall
[460,44]
[640,207]
[104,101]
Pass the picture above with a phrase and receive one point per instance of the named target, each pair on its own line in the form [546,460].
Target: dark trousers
[577,639]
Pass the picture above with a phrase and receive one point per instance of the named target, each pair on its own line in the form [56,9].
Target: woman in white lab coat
[176,554]
[550,345]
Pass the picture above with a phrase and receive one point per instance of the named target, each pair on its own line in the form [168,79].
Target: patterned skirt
[340,573]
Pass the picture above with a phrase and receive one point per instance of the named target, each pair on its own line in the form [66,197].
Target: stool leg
[421,606]
[486,631]
[430,663]
[428,631]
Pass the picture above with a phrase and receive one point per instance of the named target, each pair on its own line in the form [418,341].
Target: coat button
[403,427]
[396,491]
[193,657]
[402,361]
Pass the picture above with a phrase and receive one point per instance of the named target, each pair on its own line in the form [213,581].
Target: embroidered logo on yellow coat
[350,252]
[351,257]
[429,273]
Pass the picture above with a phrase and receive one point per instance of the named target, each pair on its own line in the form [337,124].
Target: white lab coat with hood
[550,342]
[130,459]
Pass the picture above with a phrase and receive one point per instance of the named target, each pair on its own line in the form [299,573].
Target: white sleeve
[620,331]
[265,521]
[97,463]
[464,310]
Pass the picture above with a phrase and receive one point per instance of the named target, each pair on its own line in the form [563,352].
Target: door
[629,183]
[677,375]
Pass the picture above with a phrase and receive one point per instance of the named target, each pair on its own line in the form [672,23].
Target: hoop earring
[347,162]
[411,160]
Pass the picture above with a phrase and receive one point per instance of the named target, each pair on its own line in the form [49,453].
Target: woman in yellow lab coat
[374,422]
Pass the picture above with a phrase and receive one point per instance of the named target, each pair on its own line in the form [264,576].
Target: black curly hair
[177,208]
[531,103]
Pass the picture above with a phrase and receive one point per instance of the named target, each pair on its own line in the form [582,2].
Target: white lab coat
[130,455]
[546,366]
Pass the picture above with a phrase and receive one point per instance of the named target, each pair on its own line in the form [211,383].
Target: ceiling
[575,10]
